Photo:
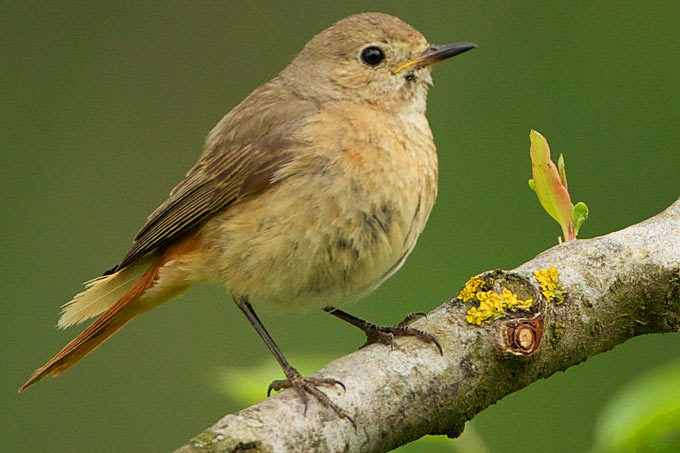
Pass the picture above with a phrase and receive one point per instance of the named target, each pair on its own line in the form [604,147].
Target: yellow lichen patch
[493,305]
[470,288]
[551,288]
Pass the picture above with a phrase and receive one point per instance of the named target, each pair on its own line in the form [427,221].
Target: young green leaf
[550,189]
[579,214]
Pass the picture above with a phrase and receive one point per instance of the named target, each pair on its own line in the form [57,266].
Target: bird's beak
[435,54]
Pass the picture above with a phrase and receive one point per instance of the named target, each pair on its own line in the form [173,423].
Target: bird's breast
[344,216]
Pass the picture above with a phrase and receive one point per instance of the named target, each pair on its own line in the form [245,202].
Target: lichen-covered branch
[617,286]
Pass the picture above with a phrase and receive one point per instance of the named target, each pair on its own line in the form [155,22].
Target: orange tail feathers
[120,313]
[101,329]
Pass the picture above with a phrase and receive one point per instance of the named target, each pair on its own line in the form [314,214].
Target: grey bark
[618,286]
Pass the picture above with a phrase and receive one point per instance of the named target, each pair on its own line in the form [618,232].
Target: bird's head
[369,58]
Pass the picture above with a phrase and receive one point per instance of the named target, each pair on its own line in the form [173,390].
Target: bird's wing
[216,181]
[242,159]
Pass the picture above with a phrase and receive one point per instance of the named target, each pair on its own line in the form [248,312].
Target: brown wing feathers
[216,182]
[174,220]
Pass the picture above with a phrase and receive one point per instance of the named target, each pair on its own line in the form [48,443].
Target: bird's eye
[372,55]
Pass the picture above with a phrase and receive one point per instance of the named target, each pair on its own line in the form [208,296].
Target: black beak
[437,53]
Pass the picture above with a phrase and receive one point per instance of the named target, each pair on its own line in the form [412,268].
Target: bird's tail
[165,277]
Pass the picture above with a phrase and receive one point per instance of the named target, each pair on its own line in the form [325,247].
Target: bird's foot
[306,386]
[386,334]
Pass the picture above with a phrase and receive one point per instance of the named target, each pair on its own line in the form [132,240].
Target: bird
[308,194]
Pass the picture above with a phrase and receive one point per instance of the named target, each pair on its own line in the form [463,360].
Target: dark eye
[372,55]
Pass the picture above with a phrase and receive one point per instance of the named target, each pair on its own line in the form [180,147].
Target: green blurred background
[105,106]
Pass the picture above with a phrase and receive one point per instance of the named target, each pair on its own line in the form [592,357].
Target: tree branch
[617,286]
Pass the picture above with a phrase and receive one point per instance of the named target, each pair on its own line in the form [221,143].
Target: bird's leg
[385,334]
[305,386]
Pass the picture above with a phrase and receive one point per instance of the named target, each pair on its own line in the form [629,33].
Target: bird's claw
[386,334]
[306,386]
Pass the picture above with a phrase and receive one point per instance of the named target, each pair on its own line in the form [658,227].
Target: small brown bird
[310,192]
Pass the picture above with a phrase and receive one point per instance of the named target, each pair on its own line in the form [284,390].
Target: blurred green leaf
[644,416]
[248,385]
